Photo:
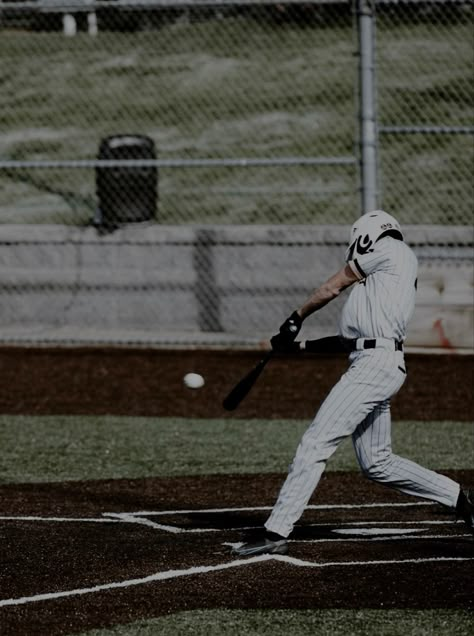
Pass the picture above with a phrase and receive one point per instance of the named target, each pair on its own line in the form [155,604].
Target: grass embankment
[237,88]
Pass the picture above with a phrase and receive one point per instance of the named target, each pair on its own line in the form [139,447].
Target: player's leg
[372,378]
[373,447]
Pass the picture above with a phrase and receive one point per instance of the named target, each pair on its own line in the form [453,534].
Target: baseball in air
[193,380]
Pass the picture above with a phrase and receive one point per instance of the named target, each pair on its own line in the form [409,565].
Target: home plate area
[88,555]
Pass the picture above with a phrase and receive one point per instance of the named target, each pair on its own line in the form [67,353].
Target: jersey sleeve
[375,260]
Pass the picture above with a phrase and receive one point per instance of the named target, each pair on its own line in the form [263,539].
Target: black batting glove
[291,327]
[288,332]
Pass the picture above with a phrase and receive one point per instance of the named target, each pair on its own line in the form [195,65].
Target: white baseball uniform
[376,313]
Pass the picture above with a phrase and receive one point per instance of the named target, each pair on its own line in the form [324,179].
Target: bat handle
[267,357]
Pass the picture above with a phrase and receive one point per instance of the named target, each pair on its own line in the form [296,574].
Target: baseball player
[383,272]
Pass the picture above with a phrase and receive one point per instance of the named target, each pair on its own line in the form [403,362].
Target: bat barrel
[242,388]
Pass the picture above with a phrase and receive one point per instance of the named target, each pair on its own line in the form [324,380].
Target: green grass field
[302,623]
[42,449]
[45,449]
[239,88]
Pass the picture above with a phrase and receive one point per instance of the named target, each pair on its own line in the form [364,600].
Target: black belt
[371,343]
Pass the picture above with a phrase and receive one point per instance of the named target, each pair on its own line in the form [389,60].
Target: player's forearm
[320,297]
[285,338]
[328,291]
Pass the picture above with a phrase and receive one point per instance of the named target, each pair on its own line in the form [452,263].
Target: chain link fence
[425,71]
[170,168]
[253,109]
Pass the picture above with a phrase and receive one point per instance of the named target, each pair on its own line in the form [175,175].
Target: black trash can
[126,194]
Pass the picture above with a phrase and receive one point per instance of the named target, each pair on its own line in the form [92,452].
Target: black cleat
[465,508]
[268,544]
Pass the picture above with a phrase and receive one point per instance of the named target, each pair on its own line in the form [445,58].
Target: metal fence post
[367,105]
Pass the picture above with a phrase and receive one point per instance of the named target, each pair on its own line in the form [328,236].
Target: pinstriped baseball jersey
[381,305]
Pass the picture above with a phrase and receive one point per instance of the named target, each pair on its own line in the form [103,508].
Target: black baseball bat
[241,389]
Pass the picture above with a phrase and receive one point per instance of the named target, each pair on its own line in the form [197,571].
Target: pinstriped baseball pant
[358,405]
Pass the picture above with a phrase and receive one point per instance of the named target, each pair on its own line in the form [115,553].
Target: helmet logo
[363,244]
[359,246]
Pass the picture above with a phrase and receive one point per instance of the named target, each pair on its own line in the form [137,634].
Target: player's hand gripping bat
[327,345]
[242,388]
[283,341]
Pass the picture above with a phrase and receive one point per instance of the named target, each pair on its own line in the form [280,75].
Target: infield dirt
[161,545]
[124,381]
[367,549]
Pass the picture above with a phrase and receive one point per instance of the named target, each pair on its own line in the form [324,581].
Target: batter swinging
[372,328]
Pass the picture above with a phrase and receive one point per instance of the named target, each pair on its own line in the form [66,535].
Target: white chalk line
[337,528]
[393,537]
[172,574]
[432,522]
[128,518]
[60,519]
[374,531]
[315,564]
[149,513]
[137,517]
[366,539]
[327,525]
[158,576]
[427,522]
[141,517]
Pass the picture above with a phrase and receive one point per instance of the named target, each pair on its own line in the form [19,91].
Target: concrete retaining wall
[208,284]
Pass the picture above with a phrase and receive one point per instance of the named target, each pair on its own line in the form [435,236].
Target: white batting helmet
[368,229]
